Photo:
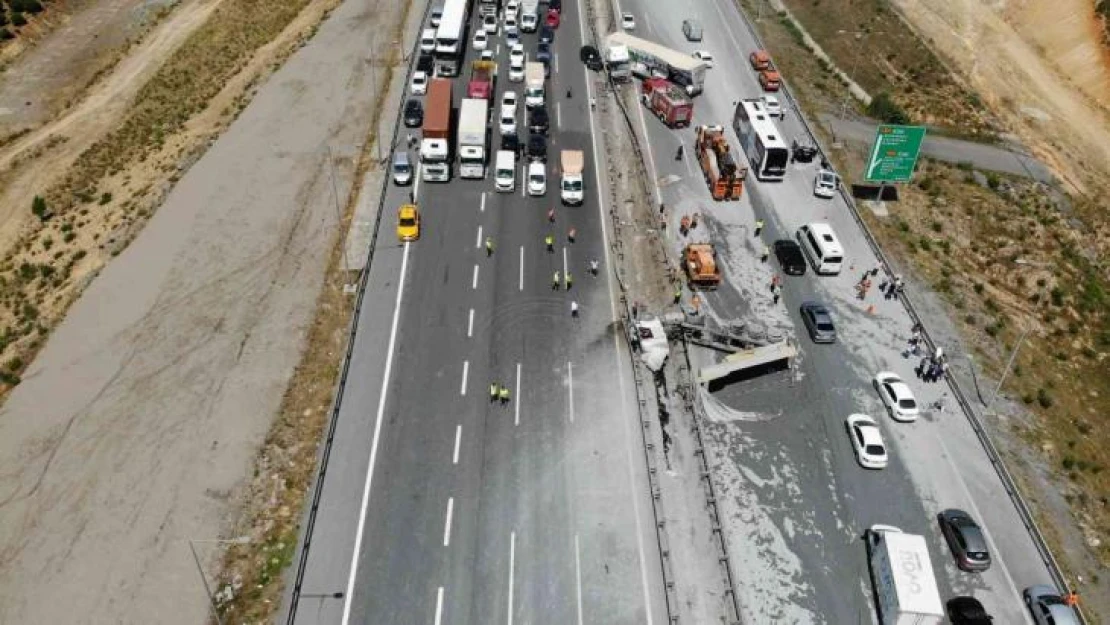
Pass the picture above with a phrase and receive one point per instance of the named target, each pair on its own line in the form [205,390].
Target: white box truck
[473,139]
[529,16]
[902,574]
[534,93]
[572,187]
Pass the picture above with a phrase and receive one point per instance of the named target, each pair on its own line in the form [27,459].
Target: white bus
[450,37]
[767,152]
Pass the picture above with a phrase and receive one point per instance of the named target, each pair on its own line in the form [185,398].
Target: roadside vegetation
[15,14]
[1018,264]
[81,224]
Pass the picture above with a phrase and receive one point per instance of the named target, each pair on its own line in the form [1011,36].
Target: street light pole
[242,540]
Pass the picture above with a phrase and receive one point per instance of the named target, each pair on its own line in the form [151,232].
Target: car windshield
[574,185]
[907,403]
[504,173]
[875,450]
[401,168]
[827,179]
[536,178]
[408,221]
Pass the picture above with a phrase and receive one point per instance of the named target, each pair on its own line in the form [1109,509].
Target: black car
[538,120]
[968,611]
[591,58]
[543,55]
[414,113]
[790,256]
[511,142]
[818,322]
[965,539]
[537,147]
[426,63]
[547,34]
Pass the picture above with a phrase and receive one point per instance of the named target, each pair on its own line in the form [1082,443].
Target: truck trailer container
[435,147]
[534,92]
[902,574]
[473,138]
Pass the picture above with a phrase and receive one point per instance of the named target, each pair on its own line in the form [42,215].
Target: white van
[821,247]
[504,176]
[428,40]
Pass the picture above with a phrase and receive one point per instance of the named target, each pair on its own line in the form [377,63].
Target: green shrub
[105,198]
[884,108]
[1043,398]
[18,19]
[38,207]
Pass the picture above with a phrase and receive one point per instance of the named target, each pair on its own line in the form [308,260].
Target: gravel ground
[139,420]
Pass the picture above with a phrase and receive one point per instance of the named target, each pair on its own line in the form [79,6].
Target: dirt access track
[138,422]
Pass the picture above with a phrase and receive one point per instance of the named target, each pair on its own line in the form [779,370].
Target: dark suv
[538,120]
[790,256]
[591,58]
[537,147]
[414,113]
[511,142]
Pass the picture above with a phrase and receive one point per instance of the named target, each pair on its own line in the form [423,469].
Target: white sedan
[704,57]
[867,440]
[481,40]
[825,184]
[537,179]
[628,21]
[419,85]
[516,53]
[896,396]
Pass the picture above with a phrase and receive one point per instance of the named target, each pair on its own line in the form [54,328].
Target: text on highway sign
[894,153]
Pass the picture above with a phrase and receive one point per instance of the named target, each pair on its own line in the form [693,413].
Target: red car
[553,18]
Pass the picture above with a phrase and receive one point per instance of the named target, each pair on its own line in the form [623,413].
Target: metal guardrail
[341,385]
[995,458]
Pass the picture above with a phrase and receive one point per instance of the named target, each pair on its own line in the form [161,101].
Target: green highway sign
[894,153]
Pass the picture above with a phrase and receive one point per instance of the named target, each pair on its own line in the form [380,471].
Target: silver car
[1048,607]
[402,168]
[818,322]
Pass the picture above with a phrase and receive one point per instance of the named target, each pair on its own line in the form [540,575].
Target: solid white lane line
[516,408]
[478,241]
[578,577]
[512,568]
[520,280]
[458,439]
[558,115]
[447,523]
[474,281]
[466,370]
[616,350]
[482,206]
[416,182]
[564,261]
[570,390]
[523,179]
[555,61]
[470,324]
[439,606]
[374,443]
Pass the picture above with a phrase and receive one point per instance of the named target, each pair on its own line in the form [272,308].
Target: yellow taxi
[408,222]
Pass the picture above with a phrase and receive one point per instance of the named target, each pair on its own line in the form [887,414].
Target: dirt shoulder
[135,428]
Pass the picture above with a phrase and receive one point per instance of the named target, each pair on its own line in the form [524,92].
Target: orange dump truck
[769,77]
[700,262]
[724,177]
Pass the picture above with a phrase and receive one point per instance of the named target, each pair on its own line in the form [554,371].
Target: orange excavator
[724,177]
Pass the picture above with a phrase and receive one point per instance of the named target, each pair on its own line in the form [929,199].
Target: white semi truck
[572,186]
[905,587]
[473,138]
[534,92]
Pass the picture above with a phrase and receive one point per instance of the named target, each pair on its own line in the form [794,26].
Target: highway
[440,506]
[798,500]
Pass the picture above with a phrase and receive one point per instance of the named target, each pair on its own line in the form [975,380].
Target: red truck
[483,81]
[669,103]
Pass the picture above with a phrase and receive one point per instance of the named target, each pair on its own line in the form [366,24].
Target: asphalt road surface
[457,509]
[796,500]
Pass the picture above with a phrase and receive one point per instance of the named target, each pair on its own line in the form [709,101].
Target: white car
[896,396]
[516,54]
[508,99]
[826,184]
[510,22]
[489,23]
[512,8]
[774,107]
[428,40]
[628,22]
[419,85]
[516,71]
[508,120]
[867,440]
[487,55]
[703,56]
[481,40]
[512,36]
[537,179]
